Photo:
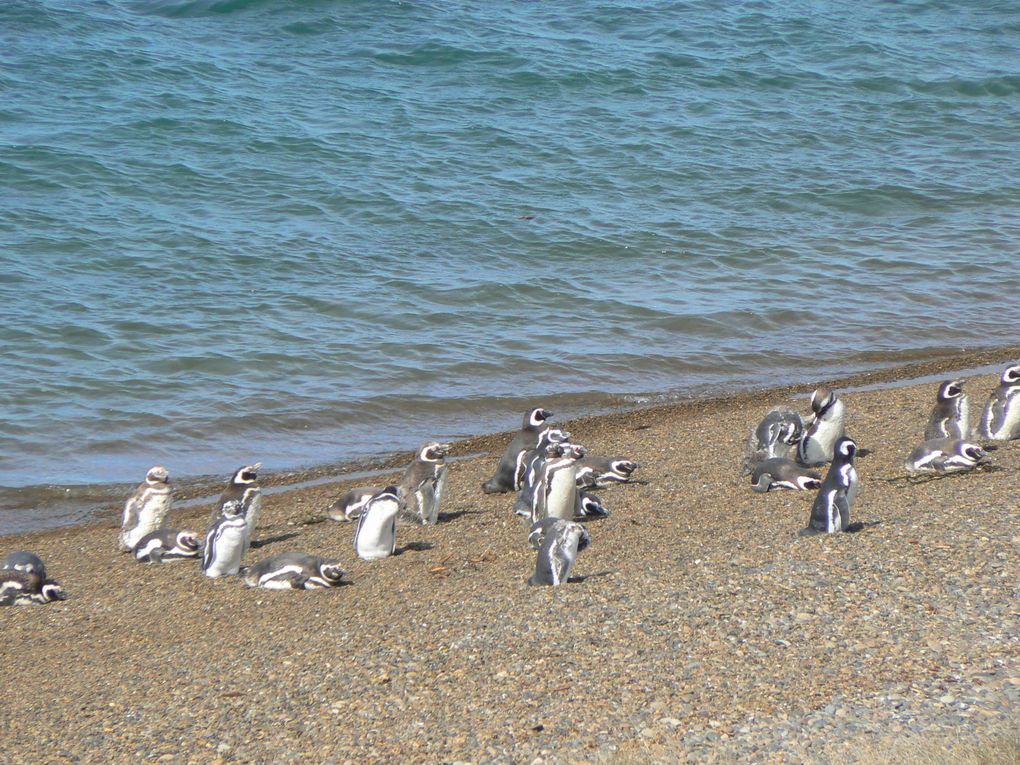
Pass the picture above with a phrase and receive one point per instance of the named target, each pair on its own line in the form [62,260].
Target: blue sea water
[305,232]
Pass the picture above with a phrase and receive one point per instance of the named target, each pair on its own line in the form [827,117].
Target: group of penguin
[553,478]
[782,449]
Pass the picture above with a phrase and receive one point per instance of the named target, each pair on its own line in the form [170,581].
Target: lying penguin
[601,472]
[780,473]
[22,588]
[168,544]
[946,455]
[294,571]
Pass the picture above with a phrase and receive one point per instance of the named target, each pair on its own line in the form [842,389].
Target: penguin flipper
[156,555]
[763,484]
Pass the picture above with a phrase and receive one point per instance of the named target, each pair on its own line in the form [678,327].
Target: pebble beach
[698,627]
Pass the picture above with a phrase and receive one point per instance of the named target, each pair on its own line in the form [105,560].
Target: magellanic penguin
[422,485]
[600,472]
[26,562]
[531,495]
[827,426]
[945,455]
[376,534]
[529,461]
[227,542]
[294,571]
[777,436]
[558,542]
[168,544]
[242,487]
[22,588]
[349,505]
[146,508]
[830,512]
[951,416]
[1001,420]
[526,438]
[780,473]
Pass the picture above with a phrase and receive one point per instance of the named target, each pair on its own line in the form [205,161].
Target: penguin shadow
[255,545]
[579,579]
[414,547]
[915,480]
[447,517]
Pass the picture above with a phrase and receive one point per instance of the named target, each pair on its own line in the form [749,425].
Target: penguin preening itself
[294,571]
[777,436]
[600,472]
[827,426]
[227,542]
[349,505]
[146,508]
[422,485]
[168,544]
[26,562]
[830,512]
[951,416]
[1001,420]
[946,455]
[376,534]
[526,438]
[780,473]
[558,542]
[243,488]
[22,588]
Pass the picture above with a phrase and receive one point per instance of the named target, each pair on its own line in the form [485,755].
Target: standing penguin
[827,426]
[242,487]
[227,542]
[777,436]
[600,472]
[167,544]
[146,508]
[558,542]
[526,438]
[421,487]
[376,534]
[830,512]
[951,416]
[26,562]
[1001,420]
[294,571]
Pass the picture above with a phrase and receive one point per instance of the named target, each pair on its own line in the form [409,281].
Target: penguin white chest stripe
[279,572]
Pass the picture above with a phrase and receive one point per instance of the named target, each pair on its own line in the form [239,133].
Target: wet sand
[700,626]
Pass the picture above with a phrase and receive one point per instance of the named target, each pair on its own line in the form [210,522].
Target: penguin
[560,479]
[945,455]
[27,562]
[242,487]
[830,512]
[422,485]
[22,588]
[951,416]
[827,425]
[532,459]
[294,571]
[349,505]
[526,438]
[776,436]
[146,508]
[600,472]
[1001,420]
[781,473]
[227,542]
[589,506]
[376,534]
[558,542]
[531,495]
[168,544]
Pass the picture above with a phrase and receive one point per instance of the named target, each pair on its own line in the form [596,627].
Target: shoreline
[193,489]
[699,625]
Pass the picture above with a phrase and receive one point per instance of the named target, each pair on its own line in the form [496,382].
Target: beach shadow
[414,546]
[586,577]
[271,540]
[447,517]
[914,480]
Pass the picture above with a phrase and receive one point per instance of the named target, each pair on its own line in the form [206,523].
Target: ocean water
[307,232]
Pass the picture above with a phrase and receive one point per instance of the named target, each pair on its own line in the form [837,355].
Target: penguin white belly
[150,518]
[1009,428]
[818,446]
[228,552]
[376,536]
[562,494]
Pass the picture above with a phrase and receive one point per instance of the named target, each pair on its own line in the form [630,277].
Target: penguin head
[331,572]
[821,400]
[806,482]
[188,540]
[389,493]
[157,474]
[845,448]
[624,467]
[575,450]
[247,475]
[974,453]
[433,452]
[580,533]
[1011,376]
[232,508]
[536,417]
[950,389]
[52,591]
[555,449]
